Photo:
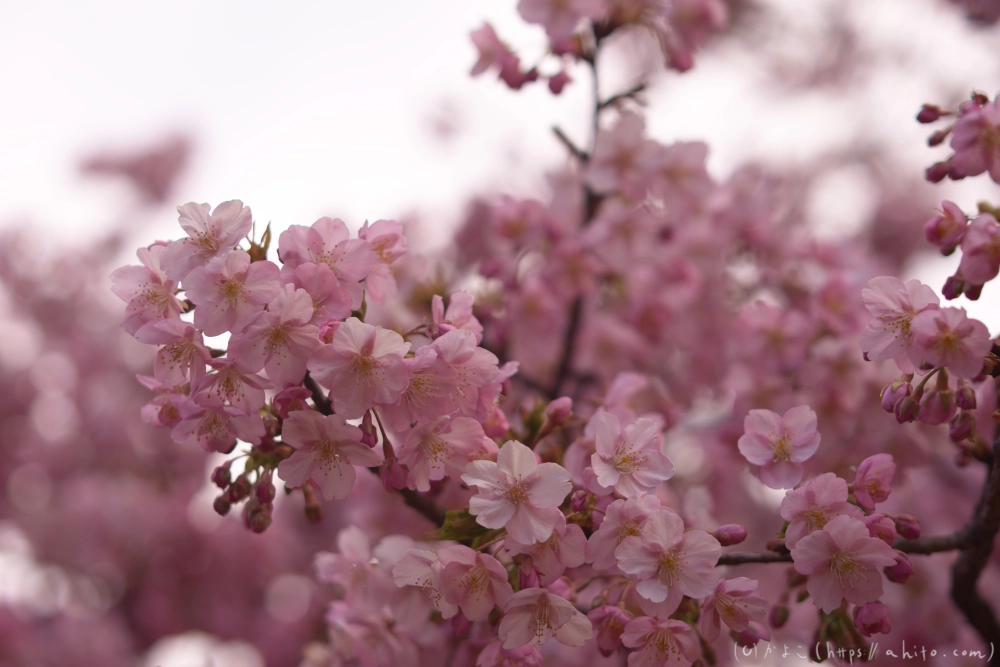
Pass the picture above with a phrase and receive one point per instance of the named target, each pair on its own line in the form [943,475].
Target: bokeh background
[114,112]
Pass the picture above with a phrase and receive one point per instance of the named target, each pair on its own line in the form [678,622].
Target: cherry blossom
[330,301]
[534,616]
[610,623]
[458,316]
[735,602]
[565,548]
[429,391]
[660,643]
[947,337]
[244,391]
[517,493]
[441,448]
[327,449]
[216,427]
[560,17]
[779,444]
[183,355]
[389,244]
[474,581]
[629,460]
[230,291]
[980,250]
[209,235]
[668,562]
[976,140]
[872,619]
[150,295]
[894,304]
[871,484]
[842,562]
[810,507]
[362,367]
[473,367]
[622,518]
[423,569]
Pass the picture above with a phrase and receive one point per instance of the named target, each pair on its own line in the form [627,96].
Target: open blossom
[622,518]
[279,340]
[209,236]
[660,643]
[946,230]
[779,444]
[363,366]
[810,507]
[535,615]
[458,316]
[630,461]
[565,548]
[327,449]
[150,295]
[976,140]
[474,581]
[328,242]
[947,337]
[389,244]
[735,602]
[610,623]
[668,562]
[330,301]
[495,655]
[980,250]
[894,304]
[439,448]
[473,367]
[873,479]
[229,291]
[244,391]
[842,561]
[216,427]
[560,17]
[350,567]
[618,160]
[428,392]
[518,493]
[183,355]
[423,569]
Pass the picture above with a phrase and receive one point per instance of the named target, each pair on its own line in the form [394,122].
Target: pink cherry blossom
[183,355]
[165,408]
[565,548]
[209,236]
[229,291]
[279,340]
[328,242]
[872,619]
[617,162]
[980,250]
[216,427]
[779,444]
[976,140]
[228,384]
[893,304]
[810,507]
[350,567]
[474,581]
[629,460]
[560,17]
[622,518]
[428,394]
[150,295]
[735,602]
[440,448]
[491,50]
[873,479]
[458,316]
[842,561]
[668,562]
[423,569]
[947,230]
[291,399]
[660,643]
[389,244]
[362,367]
[534,616]
[330,300]
[473,367]
[517,493]
[495,655]
[947,337]
[327,449]
[610,623]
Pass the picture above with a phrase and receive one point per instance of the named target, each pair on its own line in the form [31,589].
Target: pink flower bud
[527,575]
[754,633]
[326,331]
[290,399]
[559,410]
[953,288]
[882,527]
[368,435]
[265,488]
[730,534]
[929,113]
[872,619]
[961,427]
[778,615]
[238,490]
[936,407]
[907,526]
[460,625]
[221,476]
[558,82]
[939,136]
[894,392]
[972,291]
[907,410]
[946,231]
[221,505]
[260,521]
[965,395]
[937,171]
[496,424]
[579,500]
[901,571]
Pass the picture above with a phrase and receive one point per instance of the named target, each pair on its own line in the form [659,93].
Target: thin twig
[577,152]
[631,92]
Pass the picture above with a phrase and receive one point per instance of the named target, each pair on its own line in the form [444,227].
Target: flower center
[516,492]
[365,368]
[668,568]
[627,461]
[540,622]
[847,569]
[231,291]
[782,448]
[629,528]
[662,642]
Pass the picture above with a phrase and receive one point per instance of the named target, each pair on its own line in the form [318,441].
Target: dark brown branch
[742,557]
[323,404]
[631,92]
[924,545]
[577,152]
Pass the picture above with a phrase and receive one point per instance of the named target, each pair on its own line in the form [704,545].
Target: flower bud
[460,625]
[937,171]
[939,136]
[929,113]
[882,527]
[260,520]
[901,571]
[894,392]
[962,426]
[754,633]
[579,500]
[558,82]
[973,291]
[872,619]
[265,488]
[221,505]
[778,615]
[527,575]
[936,407]
[290,399]
[907,410]
[965,395]
[953,288]
[496,424]
[730,534]
[239,489]
[221,476]
[907,526]
[368,435]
